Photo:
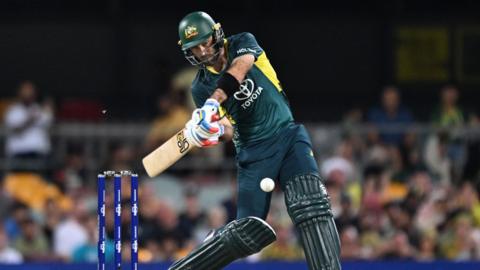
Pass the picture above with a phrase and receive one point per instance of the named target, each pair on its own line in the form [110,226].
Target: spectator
[458,242]
[427,246]
[193,215]
[169,246]
[52,215]
[339,171]
[410,150]
[284,248]
[168,232]
[347,215]
[341,164]
[373,188]
[28,123]
[230,203]
[88,252]
[19,213]
[397,165]
[172,116]
[390,115]
[216,218]
[352,120]
[449,116]
[398,247]
[448,113]
[432,212]
[32,243]
[70,233]
[351,248]
[72,177]
[370,230]
[5,203]
[122,157]
[436,158]
[399,218]
[150,206]
[181,83]
[468,200]
[8,255]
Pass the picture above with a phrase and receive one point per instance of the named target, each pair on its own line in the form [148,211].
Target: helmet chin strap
[207,62]
[213,59]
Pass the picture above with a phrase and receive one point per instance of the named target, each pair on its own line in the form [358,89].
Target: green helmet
[196,28]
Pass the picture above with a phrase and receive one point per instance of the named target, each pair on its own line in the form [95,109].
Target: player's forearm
[240,66]
[235,74]
[219,95]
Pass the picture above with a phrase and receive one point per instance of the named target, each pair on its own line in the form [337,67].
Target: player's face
[205,52]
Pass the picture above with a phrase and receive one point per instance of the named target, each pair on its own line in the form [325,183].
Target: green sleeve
[244,43]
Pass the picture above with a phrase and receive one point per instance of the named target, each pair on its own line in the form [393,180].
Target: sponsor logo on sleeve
[246,50]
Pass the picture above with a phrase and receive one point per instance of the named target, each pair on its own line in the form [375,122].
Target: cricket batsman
[239,97]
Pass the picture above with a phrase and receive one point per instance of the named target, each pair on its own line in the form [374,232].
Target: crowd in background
[395,194]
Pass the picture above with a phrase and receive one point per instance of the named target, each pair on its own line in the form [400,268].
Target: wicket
[117,183]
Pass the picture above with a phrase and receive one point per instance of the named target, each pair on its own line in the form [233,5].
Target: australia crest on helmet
[190,31]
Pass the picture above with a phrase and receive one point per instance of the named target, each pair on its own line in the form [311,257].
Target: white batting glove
[203,129]
[197,135]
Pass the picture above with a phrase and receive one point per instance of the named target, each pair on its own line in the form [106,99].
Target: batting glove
[196,133]
[203,129]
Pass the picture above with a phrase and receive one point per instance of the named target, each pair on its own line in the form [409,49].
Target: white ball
[267,184]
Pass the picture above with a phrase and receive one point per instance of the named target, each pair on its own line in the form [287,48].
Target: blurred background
[389,91]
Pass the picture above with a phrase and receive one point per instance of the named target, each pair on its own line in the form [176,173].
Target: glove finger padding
[204,129]
[211,142]
[208,111]
[204,121]
[197,136]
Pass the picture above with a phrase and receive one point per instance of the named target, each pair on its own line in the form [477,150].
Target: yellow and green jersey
[259,109]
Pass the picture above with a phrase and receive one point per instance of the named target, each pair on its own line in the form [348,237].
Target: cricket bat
[166,154]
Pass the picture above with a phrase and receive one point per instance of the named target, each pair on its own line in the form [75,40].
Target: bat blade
[167,154]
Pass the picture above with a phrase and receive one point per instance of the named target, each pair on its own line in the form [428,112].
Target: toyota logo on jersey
[247,94]
[246,90]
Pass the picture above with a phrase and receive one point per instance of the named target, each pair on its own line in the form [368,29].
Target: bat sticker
[182,142]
